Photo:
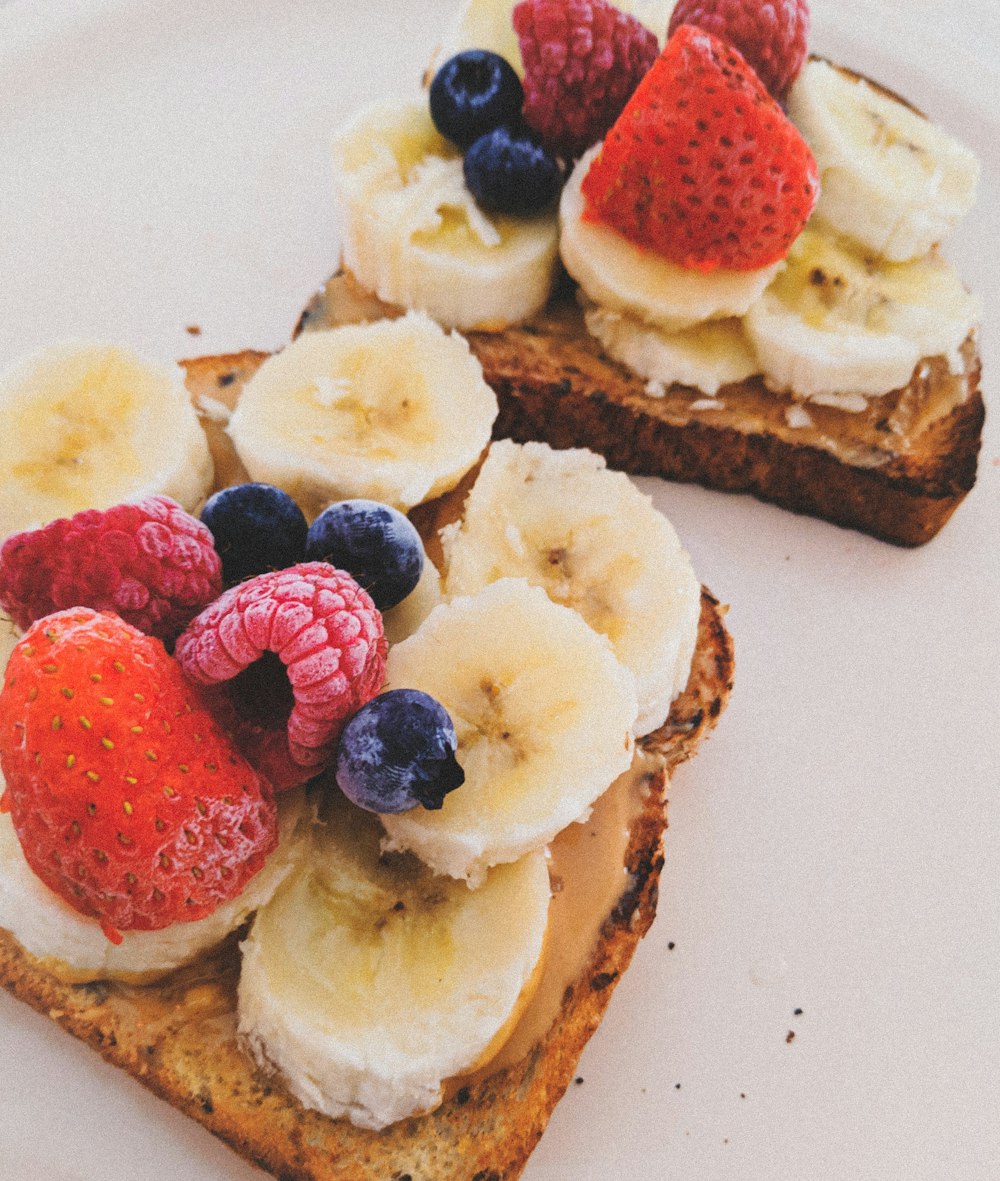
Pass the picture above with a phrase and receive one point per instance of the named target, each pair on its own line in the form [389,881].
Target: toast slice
[178,1037]
[897,470]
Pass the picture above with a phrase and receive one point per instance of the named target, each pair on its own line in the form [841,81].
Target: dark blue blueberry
[472,93]
[398,752]
[507,172]
[374,543]
[256,528]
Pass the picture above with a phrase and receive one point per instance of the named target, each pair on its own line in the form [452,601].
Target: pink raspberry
[582,59]
[150,563]
[325,630]
[770,34]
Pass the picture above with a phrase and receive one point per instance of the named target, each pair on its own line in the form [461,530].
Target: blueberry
[398,751]
[256,528]
[472,93]
[507,172]
[374,543]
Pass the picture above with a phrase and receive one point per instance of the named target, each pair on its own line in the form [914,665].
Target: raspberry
[703,167]
[150,562]
[128,799]
[771,36]
[326,632]
[582,61]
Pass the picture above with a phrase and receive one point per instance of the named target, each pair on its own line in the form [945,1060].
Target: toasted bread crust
[554,383]
[178,1037]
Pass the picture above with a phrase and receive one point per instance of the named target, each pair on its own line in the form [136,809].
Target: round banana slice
[75,949]
[543,712]
[93,425]
[705,357]
[593,542]
[395,411]
[889,178]
[619,275]
[412,233]
[838,322]
[367,981]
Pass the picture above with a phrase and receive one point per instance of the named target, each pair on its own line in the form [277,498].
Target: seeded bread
[178,1037]
[896,470]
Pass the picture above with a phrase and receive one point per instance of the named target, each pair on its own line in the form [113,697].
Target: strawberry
[128,799]
[703,167]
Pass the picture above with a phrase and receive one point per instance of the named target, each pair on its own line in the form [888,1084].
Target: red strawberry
[128,799]
[703,167]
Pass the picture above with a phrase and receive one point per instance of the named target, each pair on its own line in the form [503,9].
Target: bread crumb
[852,403]
[213,409]
[798,418]
[193,330]
[790,1037]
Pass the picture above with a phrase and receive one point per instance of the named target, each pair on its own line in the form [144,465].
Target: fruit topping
[327,635]
[376,544]
[772,37]
[703,167]
[893,181]
[398,752]
[472,93]
[256,528]
[543,712]
[150,562]
[91,426]
[508,172]
[582,59]
[367,980]
[392,410]
[128,799]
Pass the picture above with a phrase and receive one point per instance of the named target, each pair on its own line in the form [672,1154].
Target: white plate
[833,849]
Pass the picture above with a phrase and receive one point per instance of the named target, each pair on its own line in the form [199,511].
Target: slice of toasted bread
[896,470]
[178,1037]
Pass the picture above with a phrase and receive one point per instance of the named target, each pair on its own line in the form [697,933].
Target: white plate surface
[834,848]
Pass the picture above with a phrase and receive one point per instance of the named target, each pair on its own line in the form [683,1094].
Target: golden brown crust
[178,1037]
[894,471]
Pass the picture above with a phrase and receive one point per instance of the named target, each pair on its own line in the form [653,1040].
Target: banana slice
[705,356]
[889,178]
[592,541]
[482,24]
[619,275]
[544,716]
[412,232]
[395,411]
[839,323]
[368,981]
[404,619]
[92,425]
[75,949]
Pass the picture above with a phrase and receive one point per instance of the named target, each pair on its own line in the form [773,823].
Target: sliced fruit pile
[687,191]
[182,681]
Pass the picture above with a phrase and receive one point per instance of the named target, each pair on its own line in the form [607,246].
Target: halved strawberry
[703,166]
[129,800]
